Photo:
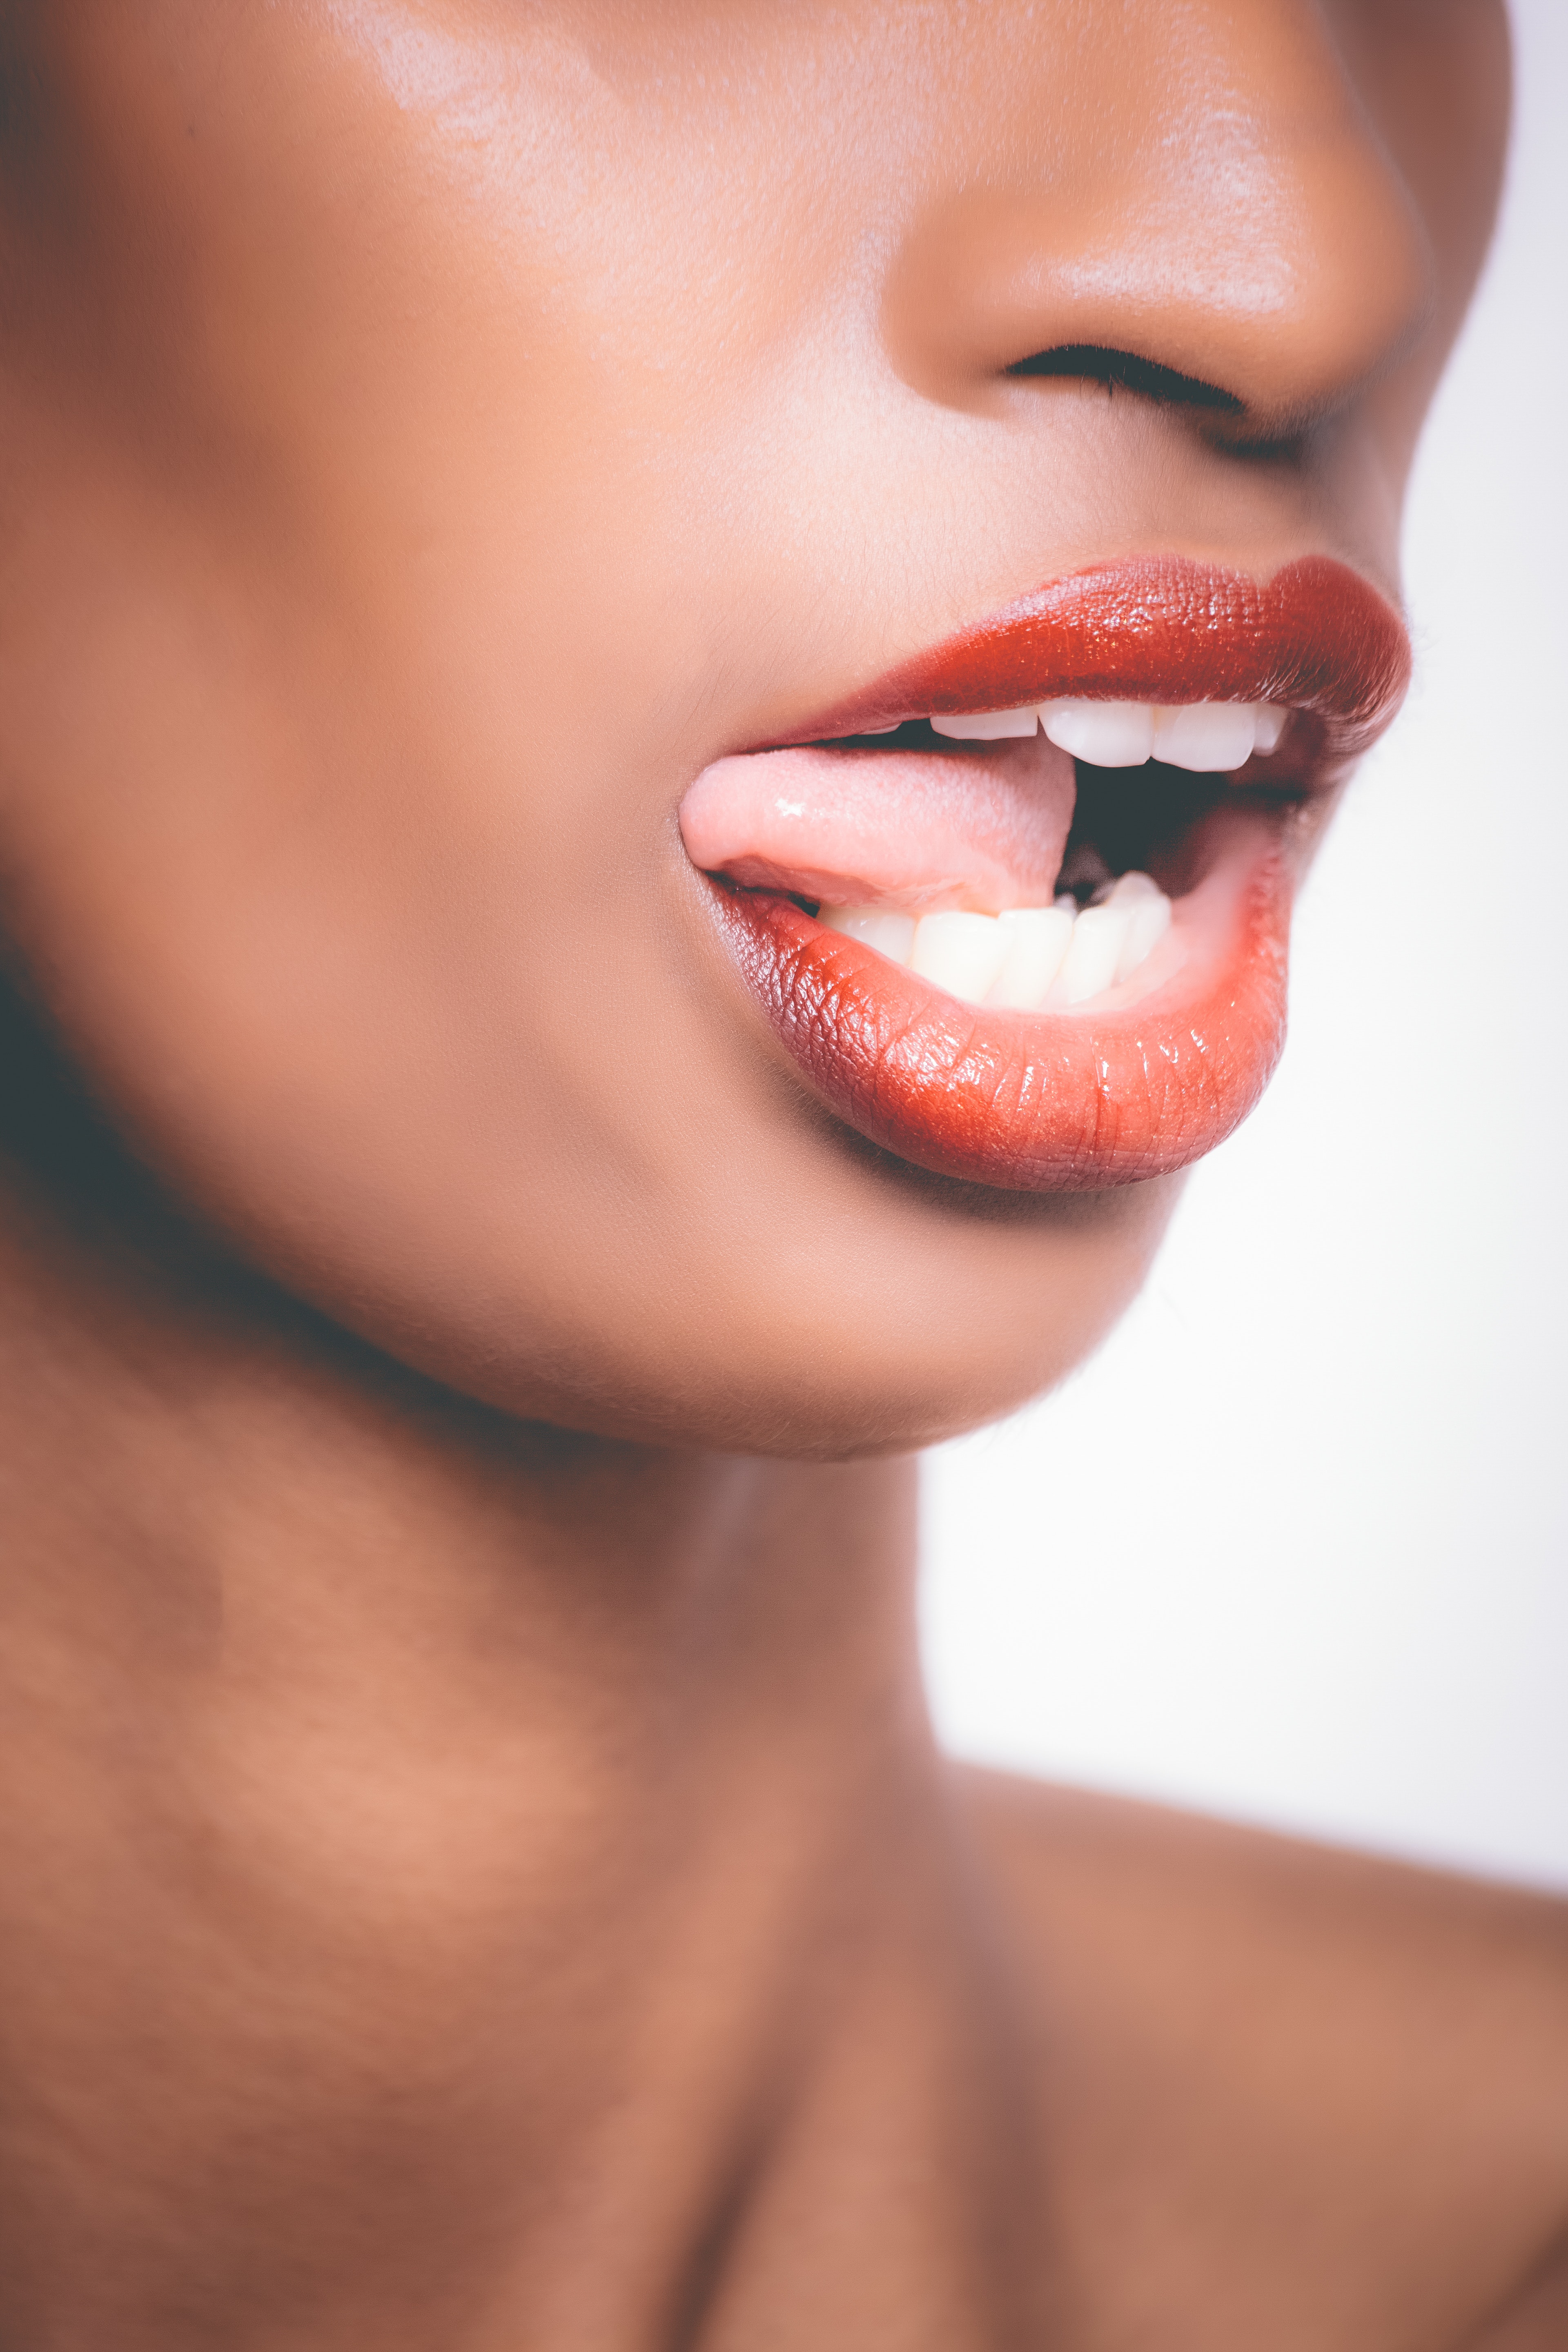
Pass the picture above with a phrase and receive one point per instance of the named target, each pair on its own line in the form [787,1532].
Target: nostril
[1246,250]
[1125,371]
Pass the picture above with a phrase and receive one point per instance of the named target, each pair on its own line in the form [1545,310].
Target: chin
[940,1307]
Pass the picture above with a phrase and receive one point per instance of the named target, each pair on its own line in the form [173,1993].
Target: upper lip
[1042,1103]
[1316,636]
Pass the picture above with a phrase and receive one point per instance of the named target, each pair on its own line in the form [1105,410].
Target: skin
[476,1870]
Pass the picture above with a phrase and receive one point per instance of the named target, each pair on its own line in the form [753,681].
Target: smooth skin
[475,1871]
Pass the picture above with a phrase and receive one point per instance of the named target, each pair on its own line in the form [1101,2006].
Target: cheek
[443,1063]
[512,1131]
[339,828]
[406,988]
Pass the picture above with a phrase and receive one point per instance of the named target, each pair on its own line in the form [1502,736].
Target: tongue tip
[915,831]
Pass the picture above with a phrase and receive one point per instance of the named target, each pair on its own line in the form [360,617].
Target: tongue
[983,829]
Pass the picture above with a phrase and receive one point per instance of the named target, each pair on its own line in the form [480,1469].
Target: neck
[446,1861]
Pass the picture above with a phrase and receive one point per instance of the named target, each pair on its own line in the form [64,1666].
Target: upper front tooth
[1210,737]
[1105,734]
[958,952]
[984,726]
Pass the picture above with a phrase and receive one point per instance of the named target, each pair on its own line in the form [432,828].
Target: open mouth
[1037,938]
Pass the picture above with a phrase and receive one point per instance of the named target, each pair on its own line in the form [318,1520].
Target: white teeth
[986,726]
[1098,939]
[1148,912]
[882,927]
[1105,734]
[1132,885]
[1015,961]
[960,952]
[1036,941]
[1210,738]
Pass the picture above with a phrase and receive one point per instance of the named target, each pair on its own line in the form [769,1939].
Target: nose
[1191,197]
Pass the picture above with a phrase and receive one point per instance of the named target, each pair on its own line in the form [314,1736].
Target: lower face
[664,677]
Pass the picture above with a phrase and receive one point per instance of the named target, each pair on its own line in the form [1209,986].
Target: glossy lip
[1041,1102]
[1163,629]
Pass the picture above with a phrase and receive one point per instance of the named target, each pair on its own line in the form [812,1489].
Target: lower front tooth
[960,952]
[1098,939]
[1037,938]
[882,927]
[1013,961]
[1103,734]
[1128,886]
[1148,920]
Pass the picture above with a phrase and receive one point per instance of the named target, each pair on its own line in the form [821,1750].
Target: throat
[443,1863]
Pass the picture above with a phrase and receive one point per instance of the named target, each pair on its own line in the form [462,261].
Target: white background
[1294,1548]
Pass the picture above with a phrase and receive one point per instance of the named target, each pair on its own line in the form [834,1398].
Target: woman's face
[438,431]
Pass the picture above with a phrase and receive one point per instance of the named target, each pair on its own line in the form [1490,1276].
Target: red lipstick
[1075,1101]
[1161,629]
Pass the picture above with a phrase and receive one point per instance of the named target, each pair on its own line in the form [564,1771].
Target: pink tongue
[984,828]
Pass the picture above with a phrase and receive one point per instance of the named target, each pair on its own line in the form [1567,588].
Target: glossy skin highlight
[475,1869]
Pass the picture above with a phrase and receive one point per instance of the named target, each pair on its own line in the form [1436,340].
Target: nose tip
[1230,220]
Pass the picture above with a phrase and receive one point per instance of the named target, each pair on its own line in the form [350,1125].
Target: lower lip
[1039,1102]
